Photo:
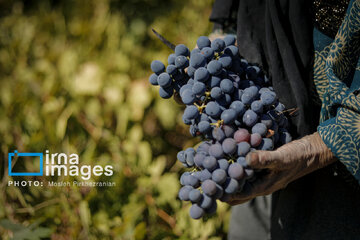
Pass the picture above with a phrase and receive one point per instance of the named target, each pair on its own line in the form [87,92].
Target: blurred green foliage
[73,78]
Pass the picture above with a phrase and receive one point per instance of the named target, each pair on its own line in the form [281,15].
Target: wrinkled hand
[284,165]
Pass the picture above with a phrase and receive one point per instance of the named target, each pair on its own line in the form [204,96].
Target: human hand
[284,165]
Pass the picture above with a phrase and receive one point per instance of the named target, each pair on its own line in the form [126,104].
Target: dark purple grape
[257,106]
[266,144]
[228,130]
[231,186]
[223,164]
[239,107]
[229,146]
[195,195]
[214,67]
[229,116]
[242,135]
[229,40]
[255,139]
[153,79]
[184,193]
[243,148]
[196,212]
[208,53]
[214,81]
[157,67]
[250,118]
[266,119]
[227,86]
[209,163]
[242,161]
[259,128]
[232,51]
[204,175]
[216,151]
[218,45]
[219,176]
[183,177]
[202,42]
[268,98]
[166,92]
[209,187]
[182,50]
[216,93]
[188,97]
[201,74]
[171,59]
[199,159]
[199,88]
[225,60]
[236,171]
[197,60]
[213,109]
[204,126]
[206,201]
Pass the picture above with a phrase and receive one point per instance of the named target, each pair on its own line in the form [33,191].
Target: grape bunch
[231,106]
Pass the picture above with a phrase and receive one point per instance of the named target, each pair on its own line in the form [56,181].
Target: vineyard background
[74,78]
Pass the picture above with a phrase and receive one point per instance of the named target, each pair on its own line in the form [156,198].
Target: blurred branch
[38,206]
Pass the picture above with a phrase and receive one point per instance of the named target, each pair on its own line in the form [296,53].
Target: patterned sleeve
[337,78]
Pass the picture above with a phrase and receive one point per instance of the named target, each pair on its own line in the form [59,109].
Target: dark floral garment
[337,79]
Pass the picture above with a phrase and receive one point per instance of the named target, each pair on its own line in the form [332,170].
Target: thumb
[262,159]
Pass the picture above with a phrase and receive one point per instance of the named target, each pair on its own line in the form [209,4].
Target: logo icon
[15,153]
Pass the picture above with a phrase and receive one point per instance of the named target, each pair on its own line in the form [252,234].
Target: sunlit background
[74,79]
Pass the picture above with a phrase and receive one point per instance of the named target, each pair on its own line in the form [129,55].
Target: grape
[236,171]
[181,62]
[166,92]
[193,130]
[204,127]
[209,163]
[204,175]
[206,201]
[229,116]
[214,67]
[242,135]
[225,61]
[196,211]
[242,161]
[171,59]
[153,79]
[164,80]
[201,74]
[172,70]
[189,156]
[204,146]
[218,45]
[255,139]
[216,151]
[231,185]
[199,88]
[228,130]
[227,86]
[218,134]
[191,71]
[259,128]
[238,106]
[199,159]
[195,195]
[157,67]
[229,146]
[219,192]
[250,118]
[266,144]
[197,60]
[219,176]
[257,106]
[191,112]
[183,177]
[216,93]
[213,109]
[237,94]
[207,52]
[184,193]
[229,40]
[223,164]
[268,98]
[264,89]
[188,97]
[202,42]
[285,137]
[246,98]
[182,50]
[181,156]
[214,81]
[209,187]
[232,51]
[192,181]
[243,148]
